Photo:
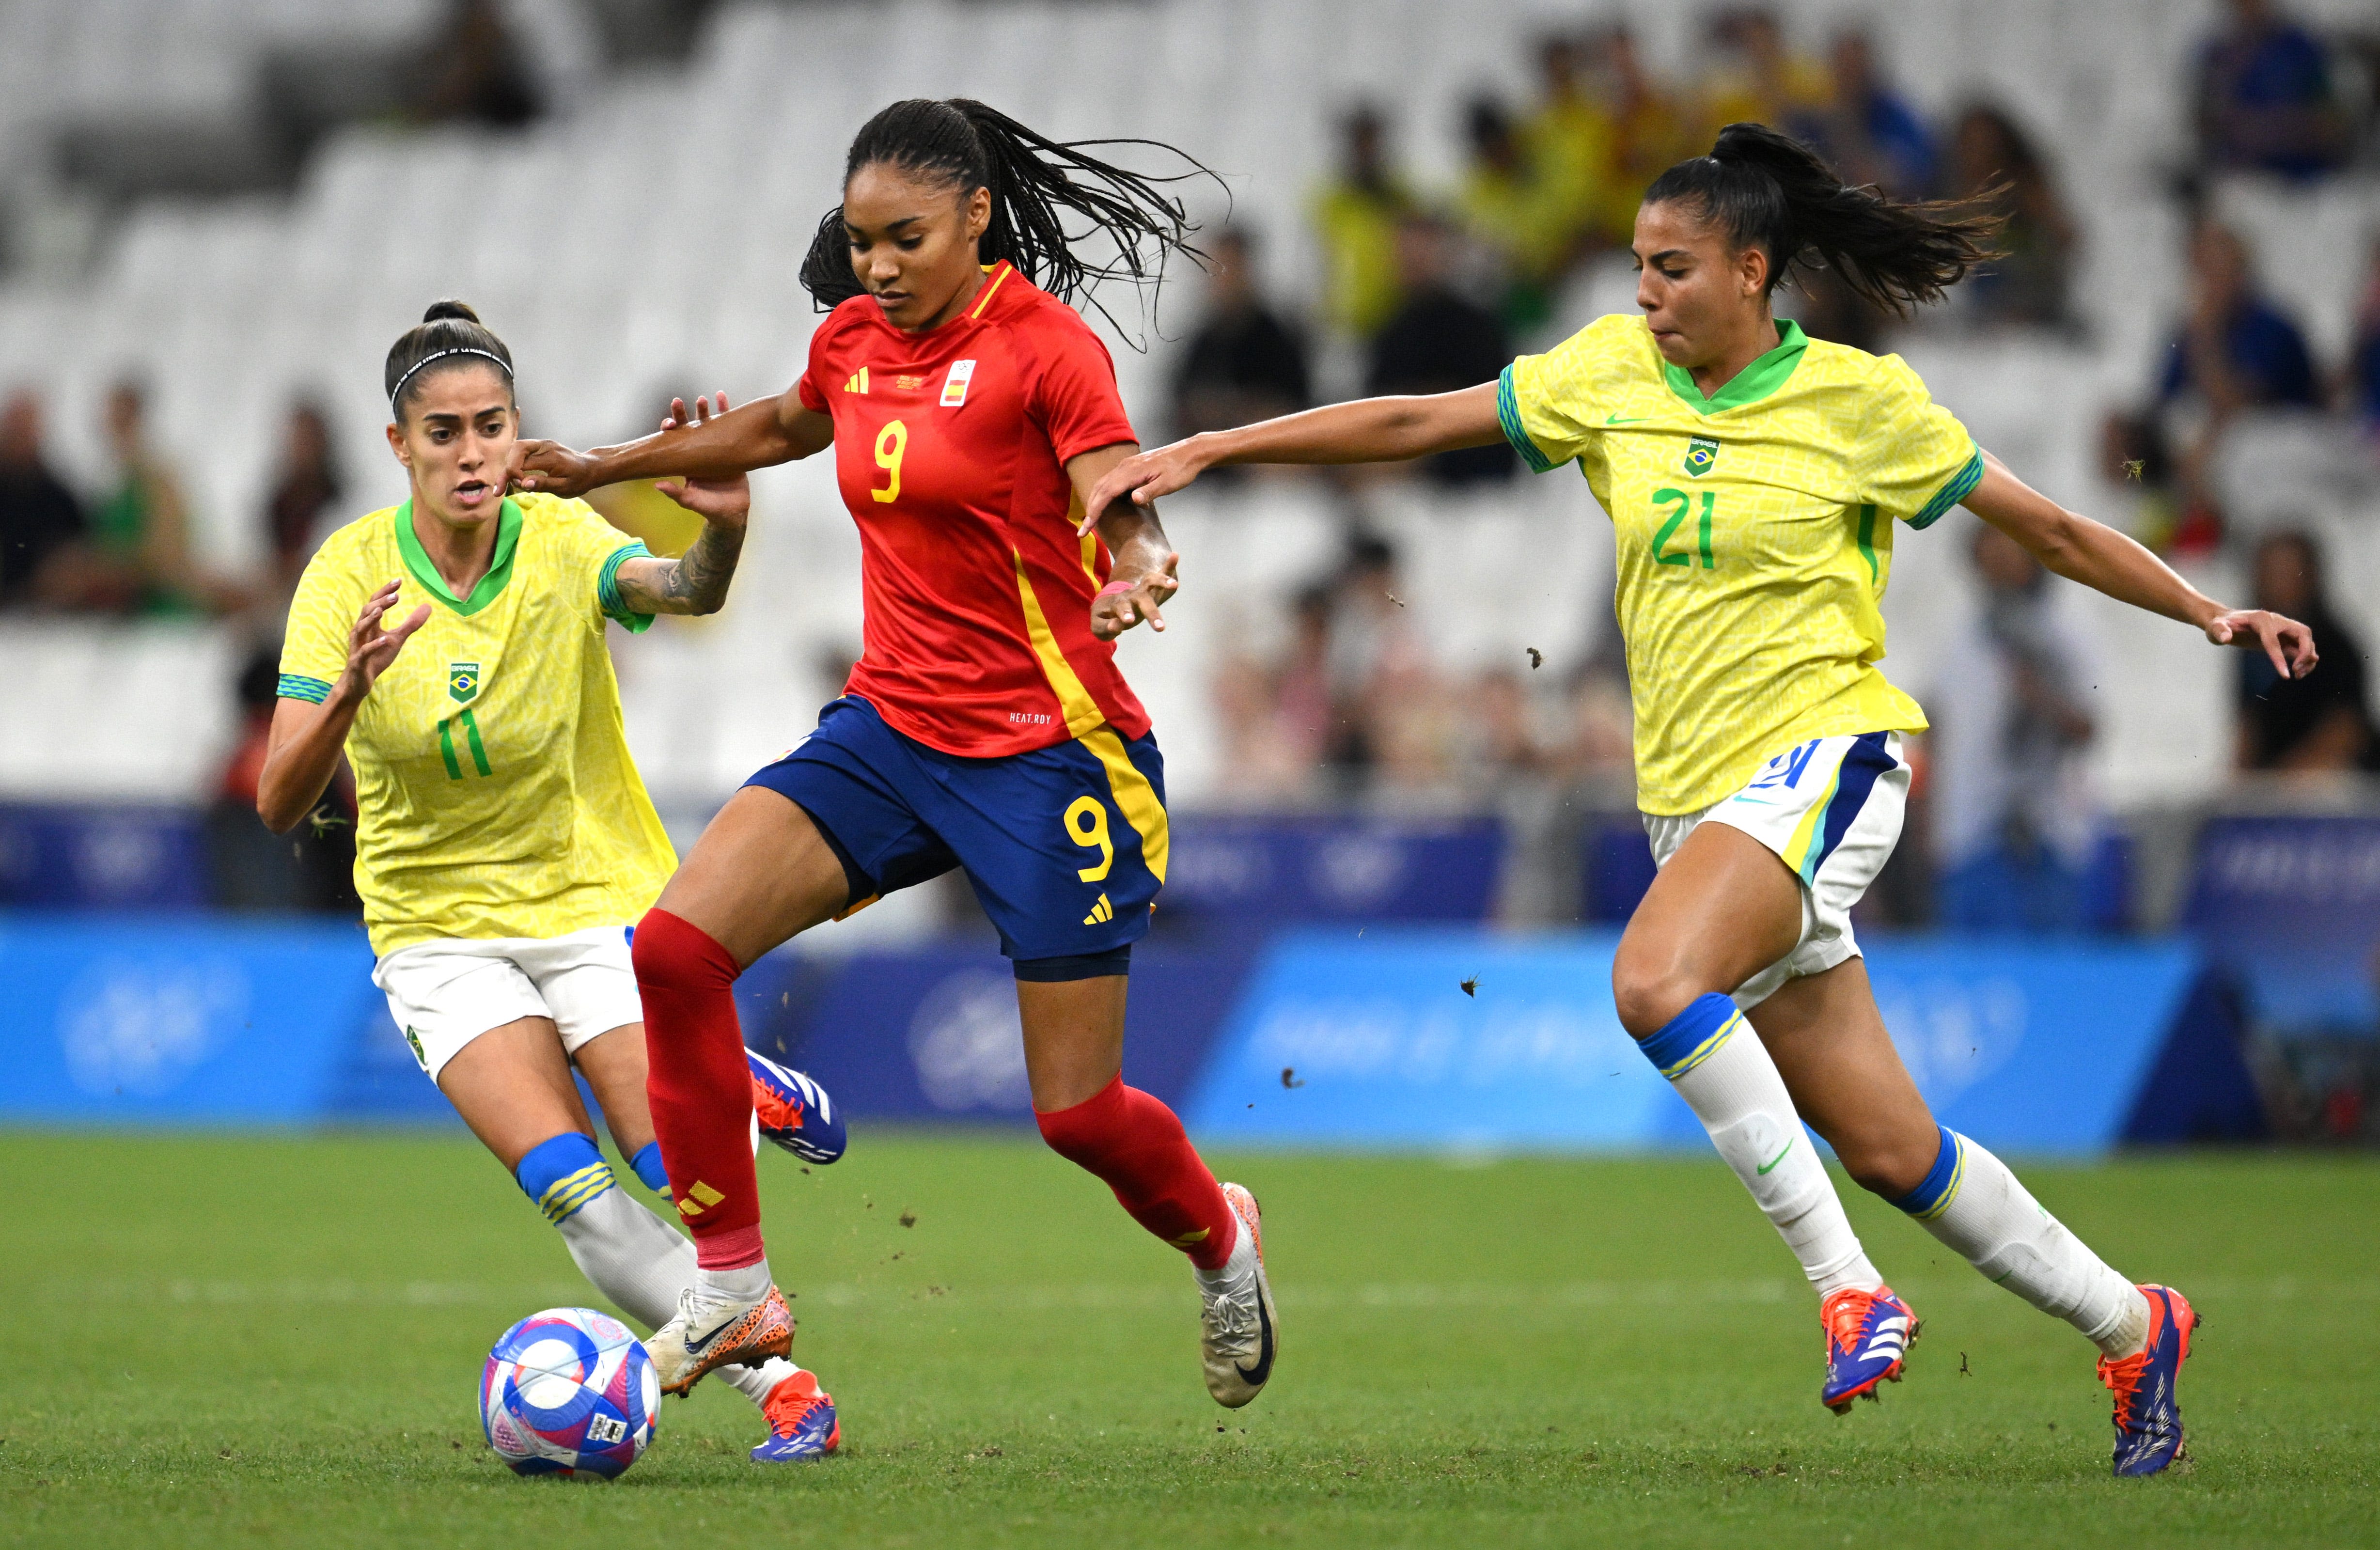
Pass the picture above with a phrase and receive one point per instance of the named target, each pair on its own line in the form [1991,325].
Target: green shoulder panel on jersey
[1508,414]
[1962,484]
[607,588]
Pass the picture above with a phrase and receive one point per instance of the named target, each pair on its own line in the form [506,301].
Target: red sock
[699,1086]
[1139,1149]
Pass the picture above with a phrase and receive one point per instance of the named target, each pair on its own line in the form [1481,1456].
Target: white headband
[459,350]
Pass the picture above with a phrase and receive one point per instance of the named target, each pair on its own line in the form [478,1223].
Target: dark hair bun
[450,308]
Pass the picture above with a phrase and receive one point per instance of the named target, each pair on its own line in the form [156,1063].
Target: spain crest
[1701,452]
[463,682]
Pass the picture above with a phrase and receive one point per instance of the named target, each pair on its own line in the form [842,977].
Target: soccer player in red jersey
[986,726]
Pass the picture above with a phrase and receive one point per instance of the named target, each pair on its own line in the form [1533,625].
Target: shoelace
[2124,1378]
[787,1417]
[1845,1317]
[1232,1307]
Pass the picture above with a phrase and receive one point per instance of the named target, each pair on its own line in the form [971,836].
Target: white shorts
[444,994]
[1831,810]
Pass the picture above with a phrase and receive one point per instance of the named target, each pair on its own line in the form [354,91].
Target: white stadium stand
[646,237]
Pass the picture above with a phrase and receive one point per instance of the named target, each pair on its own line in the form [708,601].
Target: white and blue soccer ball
[569,1391]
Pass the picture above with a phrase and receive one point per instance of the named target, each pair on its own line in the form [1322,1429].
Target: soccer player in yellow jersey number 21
[1754,476]
[504,840]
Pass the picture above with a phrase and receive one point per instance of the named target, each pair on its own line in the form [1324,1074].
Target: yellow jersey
[496,794]
[1754,532]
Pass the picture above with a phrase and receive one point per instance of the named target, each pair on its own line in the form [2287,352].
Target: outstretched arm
[761,434]
[696,582]
[1365,430]
[2106,561]
[1145,563]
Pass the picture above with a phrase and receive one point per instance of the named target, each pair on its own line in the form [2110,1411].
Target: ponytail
[450,334]
[1035,185]
[1769,190]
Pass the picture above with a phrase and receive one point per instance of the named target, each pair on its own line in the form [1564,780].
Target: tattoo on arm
[696,582]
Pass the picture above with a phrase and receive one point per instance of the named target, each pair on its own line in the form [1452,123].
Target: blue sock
[647,1165]
[563,1173]
[1693,1036]
[1941,1186]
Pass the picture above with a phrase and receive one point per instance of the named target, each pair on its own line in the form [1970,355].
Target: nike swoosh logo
[696,1348]
[1632,419]
[1775,1160]
[1255,1377]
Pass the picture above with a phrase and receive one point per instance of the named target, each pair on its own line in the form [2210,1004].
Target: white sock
[755,1383]
[1718,1065]
[1974,1204]
[635,1258]
[740,1288]
[641,1263]
[1237,1267]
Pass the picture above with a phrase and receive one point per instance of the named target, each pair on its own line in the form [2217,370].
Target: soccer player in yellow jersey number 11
[503,840]
[1753,477]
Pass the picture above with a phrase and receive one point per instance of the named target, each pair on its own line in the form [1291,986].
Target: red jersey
[951,449]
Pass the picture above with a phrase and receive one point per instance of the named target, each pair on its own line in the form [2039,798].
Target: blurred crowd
[1427,290]
[1420,289]
[123,549]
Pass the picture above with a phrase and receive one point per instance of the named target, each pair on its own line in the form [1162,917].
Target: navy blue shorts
[1065,846]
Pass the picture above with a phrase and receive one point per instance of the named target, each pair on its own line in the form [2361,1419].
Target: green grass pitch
[251,1341]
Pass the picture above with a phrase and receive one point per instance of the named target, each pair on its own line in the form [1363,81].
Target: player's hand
[1142,477]
[551,468]
[1128,600]
[2288,644]
[720,503]
[372,647]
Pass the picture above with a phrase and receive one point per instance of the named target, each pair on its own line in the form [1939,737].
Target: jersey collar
[417,559]
[1001,281]
[1750,386]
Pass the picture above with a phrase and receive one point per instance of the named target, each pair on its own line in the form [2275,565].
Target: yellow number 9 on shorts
[1086,821]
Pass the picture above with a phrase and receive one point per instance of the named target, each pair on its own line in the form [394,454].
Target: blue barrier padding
[2034,1046]
[1318,867]
[160,1020]
[932,1033]
[2290,906]
[116,856]
[1325,1037]
[2200,1089]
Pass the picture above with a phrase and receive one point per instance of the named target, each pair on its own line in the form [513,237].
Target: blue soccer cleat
[1868,1336]
[2148,1415]
[801,1422]
[794,1111]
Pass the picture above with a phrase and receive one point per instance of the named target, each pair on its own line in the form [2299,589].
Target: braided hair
[1770,192]
[1036,185]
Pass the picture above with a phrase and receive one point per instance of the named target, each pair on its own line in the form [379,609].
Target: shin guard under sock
[1718,1065]
[626,1253]
[1139,1149]
[699,1086]
[1973,1203]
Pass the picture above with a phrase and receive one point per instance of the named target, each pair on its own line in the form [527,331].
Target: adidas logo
[858,383]
[1101,913]
[703,1198]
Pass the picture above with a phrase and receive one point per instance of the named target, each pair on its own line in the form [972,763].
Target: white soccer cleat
[1237,1336]
[732,1334]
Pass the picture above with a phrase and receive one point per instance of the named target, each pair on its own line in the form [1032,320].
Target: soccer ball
[568,1392]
